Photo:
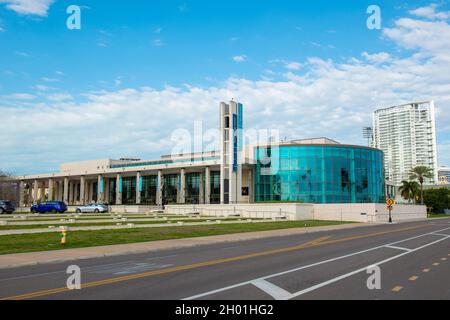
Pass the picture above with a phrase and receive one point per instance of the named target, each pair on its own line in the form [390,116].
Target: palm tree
[409,190]
[420,173]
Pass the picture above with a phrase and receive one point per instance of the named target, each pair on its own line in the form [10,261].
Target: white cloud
[293,65]
[240,58]
[58,97]
[29,7]
[429,12]
[22,54]
[21,96]
[157,43]
[377,57]
[47,79]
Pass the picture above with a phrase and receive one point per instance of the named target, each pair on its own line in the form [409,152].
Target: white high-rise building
[407,135]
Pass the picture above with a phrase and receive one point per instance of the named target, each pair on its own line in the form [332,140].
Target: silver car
[94,207]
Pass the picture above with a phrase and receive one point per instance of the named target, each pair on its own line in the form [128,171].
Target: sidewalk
[44,257]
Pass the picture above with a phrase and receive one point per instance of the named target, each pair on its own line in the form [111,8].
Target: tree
[438,199]
[420,173]
[8,187]
[409,190]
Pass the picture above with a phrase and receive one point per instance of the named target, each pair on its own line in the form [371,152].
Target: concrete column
[119,189]
[22,194]
[91,192]
[138,188]
[251,184]
[60,191]
[35,191]
[100,189]
[182,187]
[159,189]
[66,190]
[106,191]
[201,196]
[82,190]
[207,186]
[50,189]
[42,191]
[71,197]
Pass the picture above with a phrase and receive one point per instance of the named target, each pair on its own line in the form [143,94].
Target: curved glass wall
[319,174]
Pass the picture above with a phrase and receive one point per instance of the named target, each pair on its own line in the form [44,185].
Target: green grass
[78,239]
[101,224]
[438,216]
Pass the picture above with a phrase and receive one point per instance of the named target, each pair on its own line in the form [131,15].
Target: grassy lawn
[438,216]
[100,224]
[78,239]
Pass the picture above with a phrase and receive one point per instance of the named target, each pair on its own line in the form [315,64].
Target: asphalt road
[414,262]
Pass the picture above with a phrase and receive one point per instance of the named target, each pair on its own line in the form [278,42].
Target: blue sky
[108,89]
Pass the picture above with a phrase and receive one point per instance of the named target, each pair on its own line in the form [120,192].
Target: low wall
[289,211]
[368,212]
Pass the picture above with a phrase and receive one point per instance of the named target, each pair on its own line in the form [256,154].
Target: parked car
[6,207]
[94,207]
[49,206]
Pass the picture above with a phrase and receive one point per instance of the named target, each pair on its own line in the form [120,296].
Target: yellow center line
[314,243]
[397,288]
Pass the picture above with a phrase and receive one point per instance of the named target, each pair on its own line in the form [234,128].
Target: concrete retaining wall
[290,211]
[368,212]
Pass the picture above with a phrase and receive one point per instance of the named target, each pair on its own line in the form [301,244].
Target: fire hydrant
[63,237]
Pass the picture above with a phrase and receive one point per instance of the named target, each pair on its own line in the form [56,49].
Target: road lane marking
[413,278]
[444,259]
[425,270]
[397,289]
[323,284]
[398,248]
[436,264]
[275,291]
[318,242]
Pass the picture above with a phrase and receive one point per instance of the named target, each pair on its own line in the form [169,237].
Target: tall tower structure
[231,144]
[407,136]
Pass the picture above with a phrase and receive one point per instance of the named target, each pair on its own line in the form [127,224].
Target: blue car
[49,206]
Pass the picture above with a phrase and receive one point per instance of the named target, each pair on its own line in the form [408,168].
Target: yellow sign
[390,202]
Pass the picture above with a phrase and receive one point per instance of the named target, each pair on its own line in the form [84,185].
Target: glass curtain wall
[170,188]
[129,190]
[149,188]
[319,174]
[214,187]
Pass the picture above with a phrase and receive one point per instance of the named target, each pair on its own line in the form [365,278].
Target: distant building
[407,135]
[444,175]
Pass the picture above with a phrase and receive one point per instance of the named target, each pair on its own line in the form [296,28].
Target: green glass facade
[193,188]
[170,188]
[149,188]
[129,190]
[319,174]
[215,187]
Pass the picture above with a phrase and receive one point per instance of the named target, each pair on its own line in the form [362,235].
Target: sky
[139,70]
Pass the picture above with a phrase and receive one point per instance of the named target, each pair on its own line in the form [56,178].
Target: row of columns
[79,192]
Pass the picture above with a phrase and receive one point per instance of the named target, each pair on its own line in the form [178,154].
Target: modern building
[317,170]
[407,136]
[444,176]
